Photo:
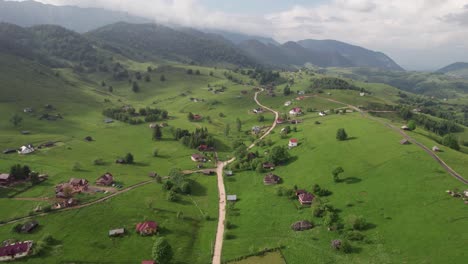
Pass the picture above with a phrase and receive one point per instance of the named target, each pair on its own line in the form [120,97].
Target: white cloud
[386,25]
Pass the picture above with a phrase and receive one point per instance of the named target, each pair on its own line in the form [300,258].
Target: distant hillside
[31,13]
[431,84]
[151,41]
[358,56]
[238,38]
[50,45]
[458,69]
[292,54]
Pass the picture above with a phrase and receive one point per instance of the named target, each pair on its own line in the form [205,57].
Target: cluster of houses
[73,186]
[11,251]
[28,148]
[457,194]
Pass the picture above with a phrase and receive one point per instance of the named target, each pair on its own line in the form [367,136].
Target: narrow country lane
[218,248]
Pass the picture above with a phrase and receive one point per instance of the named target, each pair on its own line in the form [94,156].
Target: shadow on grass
[351,180]
[351,138]
[197,188]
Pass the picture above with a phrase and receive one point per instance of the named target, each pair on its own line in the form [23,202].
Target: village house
[321,113]
[228,173]
[305,198]
[120,161]
[153,125]
[146,228]
[362,94]
[288,103]
[271,179]
[256,129]
[301,226]
[197,157]
[435,149]
[279,121]
[107,179]
[405,127]
[5,179]
[205,148]
[295,111]
[268,166]
[117,232]
[28,110]
[28,227]
[197,117]
[27,149]
[152,174]
[74,186]
[15,250]
[293,142]
[258,110]
[404,141]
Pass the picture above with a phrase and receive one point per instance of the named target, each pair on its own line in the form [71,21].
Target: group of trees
[176,184]
[441,128]
[333,83]
[19,172]
[131,116]
[194,139]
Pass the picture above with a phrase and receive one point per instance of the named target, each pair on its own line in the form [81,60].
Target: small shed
[435,149]
[28,227]
[228,173]
[404,141]
[305,198]
[147,228]
[117,232]
[108,121]
[293,142]
[301,225]
[231,197]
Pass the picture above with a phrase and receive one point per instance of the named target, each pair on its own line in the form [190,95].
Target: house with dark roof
[15,250]
[197,157]
[306,198]
[28,227]
[105,180]
[301,225]
[5,179]
[268,166]
[146,228]
[271,179]
[404,141]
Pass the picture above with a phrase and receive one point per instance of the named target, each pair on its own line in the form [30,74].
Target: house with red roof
[15,251]
[107,179]
[279,121]
[292,142]
[305,198]
[147,228]
[295,111]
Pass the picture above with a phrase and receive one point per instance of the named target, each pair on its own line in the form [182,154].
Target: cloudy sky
[417,34]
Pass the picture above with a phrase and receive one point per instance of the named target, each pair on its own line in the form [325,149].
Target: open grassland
[400,190]
[84,232]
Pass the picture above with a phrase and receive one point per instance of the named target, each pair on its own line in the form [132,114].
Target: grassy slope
[80,100]
[396,188]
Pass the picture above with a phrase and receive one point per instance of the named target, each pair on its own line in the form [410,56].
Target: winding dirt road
[218,248]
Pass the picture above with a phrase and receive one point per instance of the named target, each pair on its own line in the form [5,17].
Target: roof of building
[146,225]
[232,197]
[29,226]
[16,248]
[306,197]
[293,140]
[5,176]
[301,225]
[118,231]
[271,178]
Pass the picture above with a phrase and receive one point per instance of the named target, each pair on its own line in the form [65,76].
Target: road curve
[218,247]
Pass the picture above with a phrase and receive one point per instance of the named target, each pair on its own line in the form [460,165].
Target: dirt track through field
[100,200]
[444,165]
[218,248]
